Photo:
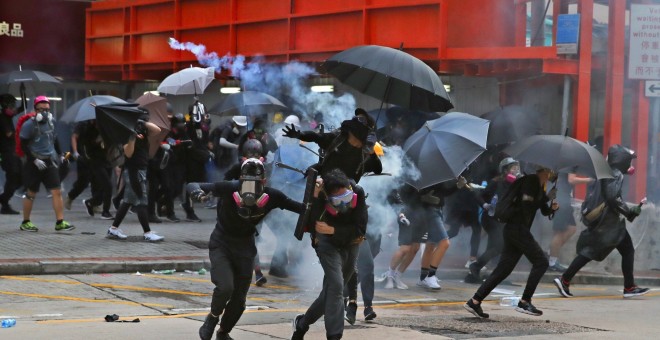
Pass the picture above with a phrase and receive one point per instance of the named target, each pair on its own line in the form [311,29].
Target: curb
[50,267]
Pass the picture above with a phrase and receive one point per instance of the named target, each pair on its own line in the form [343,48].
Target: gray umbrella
[561,154]
[84,109]
[247,103]
[443,148]
[390,75]
[512,123]
[36,81]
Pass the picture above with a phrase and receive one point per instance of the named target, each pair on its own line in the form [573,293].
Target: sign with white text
[644,54]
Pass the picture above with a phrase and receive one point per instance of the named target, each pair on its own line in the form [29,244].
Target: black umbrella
[561,154]
[443,148]
[36,81]
[390,75]
[117,122]
[511,123]
[247,103]
[84,109]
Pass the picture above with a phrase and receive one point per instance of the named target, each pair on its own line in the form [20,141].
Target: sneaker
[398,282]
[64,226]
[298,332]
[634,291]
[429,282]
[389,282]
[29,226]
[90,208]
[106,215]
[380,278]
[351,312]
[562,286]
[260,281]
[475,309]
[154,219]
[528,308]
[470,262]
[173,218]
[222,336]
[152,237]
[7,210]
[208,327]
[475,271]
[117,234]
[369,314]
[557,268]
[67,203]
[192,217]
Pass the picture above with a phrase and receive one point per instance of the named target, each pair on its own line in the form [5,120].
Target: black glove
[634,212]
[291,132]
[140,128]
[198,196]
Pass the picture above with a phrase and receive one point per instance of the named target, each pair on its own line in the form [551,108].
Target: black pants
[627,251]
[83,180]
[495,240]
[11,165]
[364,272]
[518,241]
[102,185]
[467,218]
[231,273]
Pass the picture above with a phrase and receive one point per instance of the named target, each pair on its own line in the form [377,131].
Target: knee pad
[27,196]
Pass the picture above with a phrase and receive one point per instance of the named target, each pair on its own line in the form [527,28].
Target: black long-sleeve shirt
[348,226]
[531,198]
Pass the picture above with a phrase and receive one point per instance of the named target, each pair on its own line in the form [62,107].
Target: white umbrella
[193,80]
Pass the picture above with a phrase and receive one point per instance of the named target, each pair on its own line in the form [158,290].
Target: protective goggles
[343,199]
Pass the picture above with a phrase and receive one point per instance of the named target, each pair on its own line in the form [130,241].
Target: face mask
[43,116]
[251,194]
[510,178]
[341,204]
[631,170]
[235,130]
[9,112]
[198,132]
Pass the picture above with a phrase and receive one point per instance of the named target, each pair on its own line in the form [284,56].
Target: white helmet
[292,119]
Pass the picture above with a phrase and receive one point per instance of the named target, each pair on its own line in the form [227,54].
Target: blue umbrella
[297,157]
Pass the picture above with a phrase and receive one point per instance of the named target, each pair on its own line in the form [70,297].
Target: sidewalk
[86,250]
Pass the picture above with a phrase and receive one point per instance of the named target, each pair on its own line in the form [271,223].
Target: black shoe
[475,270]
[351,311]
[475,309]
[278,272]
[260,281]
[528,308]
[223,336]
[298,332]
[172,218]
[469,278]
[557,268]
[154,219]
[562,286]
[106,215]
[89,206]
[191,217]
[208,327]
[7,210]
[369,314]
[634,291]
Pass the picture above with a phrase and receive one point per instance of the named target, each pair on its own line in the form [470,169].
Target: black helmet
[620,157]
[252,148]
[178,118]
[251,181]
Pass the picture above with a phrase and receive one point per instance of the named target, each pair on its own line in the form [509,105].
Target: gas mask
[250,193]
[43,116]
[341,204]
[631,171]
[235,130]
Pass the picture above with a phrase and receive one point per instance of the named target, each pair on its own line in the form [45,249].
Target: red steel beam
[614,74]
[583,95]
[640,142]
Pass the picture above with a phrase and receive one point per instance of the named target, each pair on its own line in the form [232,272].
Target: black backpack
[508,204]
[594,207]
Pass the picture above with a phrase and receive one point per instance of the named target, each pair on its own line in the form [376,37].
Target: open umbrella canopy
[193,80]
[248,103]
[117,122]
[512,123]
[36,81]
[157,108]
[84,109]
[390,75]
[443,148]
[561,154]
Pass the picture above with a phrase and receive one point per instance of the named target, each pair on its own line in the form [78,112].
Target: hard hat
[41,99]
[240,120]
[504,164]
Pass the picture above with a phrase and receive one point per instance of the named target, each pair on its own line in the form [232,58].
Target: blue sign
[568,28]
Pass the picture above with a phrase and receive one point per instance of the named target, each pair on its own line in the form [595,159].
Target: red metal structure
[127,40]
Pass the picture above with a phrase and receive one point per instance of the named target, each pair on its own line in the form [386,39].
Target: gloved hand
[165,146]
[486,206]
[403,220]
[41,165]
[199,196]
[461,183]
[634,212]
[291,132]
[552,194]
[75,155]
[211,155]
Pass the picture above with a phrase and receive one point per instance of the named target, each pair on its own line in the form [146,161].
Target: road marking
[268,285]
[72,298]
[21,278]
[144,289]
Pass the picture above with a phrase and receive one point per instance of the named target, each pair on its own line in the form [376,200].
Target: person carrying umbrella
[597,242]
[10,162]
[38,142]
[530,196]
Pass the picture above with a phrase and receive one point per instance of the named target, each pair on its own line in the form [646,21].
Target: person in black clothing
[134,176]
[83,173]
[175,169]
[496,187]
[596,243]
[10,163]
[196,158]
[99,168]
[259,133]
[225,138]
[518,241]
[232,246]
[341,224]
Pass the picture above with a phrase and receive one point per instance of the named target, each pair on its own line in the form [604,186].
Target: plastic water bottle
[166,272]
[6,323]
[201,271]
[493,203]
[509,301]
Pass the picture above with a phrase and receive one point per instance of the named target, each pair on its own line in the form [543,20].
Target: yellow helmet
[378,149]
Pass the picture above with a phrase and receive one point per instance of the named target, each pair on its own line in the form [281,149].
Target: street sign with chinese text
[14,30]
[644,54]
